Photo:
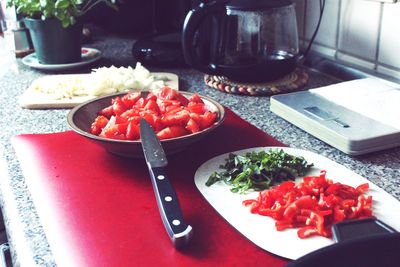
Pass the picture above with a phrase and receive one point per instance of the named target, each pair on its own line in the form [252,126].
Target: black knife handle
[169,207]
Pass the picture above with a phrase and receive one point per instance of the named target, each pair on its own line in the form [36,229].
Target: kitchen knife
[168,204]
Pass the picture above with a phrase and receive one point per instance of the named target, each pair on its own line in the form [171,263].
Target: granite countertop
[26,236]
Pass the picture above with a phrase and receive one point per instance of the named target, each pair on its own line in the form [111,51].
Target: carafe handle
[192,23]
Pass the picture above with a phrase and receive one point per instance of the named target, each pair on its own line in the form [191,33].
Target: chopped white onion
[101,81]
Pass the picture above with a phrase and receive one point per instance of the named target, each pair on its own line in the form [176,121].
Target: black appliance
[249,41]
[243,40]
[163,47]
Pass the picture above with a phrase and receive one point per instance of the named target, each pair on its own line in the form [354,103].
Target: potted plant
[55,26]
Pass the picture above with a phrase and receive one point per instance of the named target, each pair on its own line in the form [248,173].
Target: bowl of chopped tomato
[178,118]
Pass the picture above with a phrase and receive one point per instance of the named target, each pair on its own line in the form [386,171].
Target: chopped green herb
[259,170]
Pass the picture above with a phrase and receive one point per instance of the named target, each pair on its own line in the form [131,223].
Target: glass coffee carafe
[244,40]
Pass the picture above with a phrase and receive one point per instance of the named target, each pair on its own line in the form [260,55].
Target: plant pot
[54,44]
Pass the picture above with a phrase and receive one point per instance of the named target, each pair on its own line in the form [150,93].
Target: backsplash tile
[389,48]
[327,33]
[359,32]
[359,28]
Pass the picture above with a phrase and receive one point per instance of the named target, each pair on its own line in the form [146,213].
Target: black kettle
[243,40]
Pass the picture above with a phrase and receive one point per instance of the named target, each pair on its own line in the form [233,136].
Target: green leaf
[214,177]
[66,11]
[72,20]
[259,170]
[43,3]
[62,4]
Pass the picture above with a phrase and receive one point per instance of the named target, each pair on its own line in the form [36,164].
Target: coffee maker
[162,46]
[247,41]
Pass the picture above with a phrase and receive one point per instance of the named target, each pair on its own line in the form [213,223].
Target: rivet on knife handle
[169,207]
[167,200]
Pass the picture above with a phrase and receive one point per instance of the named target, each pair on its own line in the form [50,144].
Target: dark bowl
[81,117]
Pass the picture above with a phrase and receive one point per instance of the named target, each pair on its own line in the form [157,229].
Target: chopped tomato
[151,96]
[196,99]
[132,131]
[120,119]
[180,118]
[140,103]
[130,113]
[182,99]
[166,110]
[171,132]
[173,109]
[152,105]
[166,93]
[130,99]
[118,106]
[166,105]
[113,130]
[192,126]
[99,123]
[207,119]
[153,120]
[198,108]
[107,112]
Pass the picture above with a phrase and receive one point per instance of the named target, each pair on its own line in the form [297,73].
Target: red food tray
[98,209]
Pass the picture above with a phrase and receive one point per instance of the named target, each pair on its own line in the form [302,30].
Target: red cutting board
[98,209]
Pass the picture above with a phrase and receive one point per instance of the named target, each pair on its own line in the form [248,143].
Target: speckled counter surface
[26,236]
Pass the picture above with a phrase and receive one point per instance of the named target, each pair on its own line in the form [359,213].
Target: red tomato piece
[198,108]
[192,126]
[130,99]
[133,131]
[118,106]
[165,105]
[152,105]
[173,109]
[169,112]
[140,103]
[120,119]
[151,96]
[178,119]
[130,113]
[107,112]
[153,120]
[134,119]
[182,99]
[113,130]
[196,98]
[207,119]
[171,132]
[99,123]
[167,93]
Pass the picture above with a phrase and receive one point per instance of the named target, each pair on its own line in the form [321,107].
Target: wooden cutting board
[34,99]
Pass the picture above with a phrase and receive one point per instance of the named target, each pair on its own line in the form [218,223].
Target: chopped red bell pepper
[312,205]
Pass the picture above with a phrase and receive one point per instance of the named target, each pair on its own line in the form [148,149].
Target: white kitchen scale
[356,117]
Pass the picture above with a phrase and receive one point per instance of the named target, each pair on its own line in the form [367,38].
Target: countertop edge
[20,250]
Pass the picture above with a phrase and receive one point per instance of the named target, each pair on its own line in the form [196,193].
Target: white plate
[261,230]
[33,99]
[89,55]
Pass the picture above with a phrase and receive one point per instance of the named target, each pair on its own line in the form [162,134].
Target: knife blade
[179,232]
